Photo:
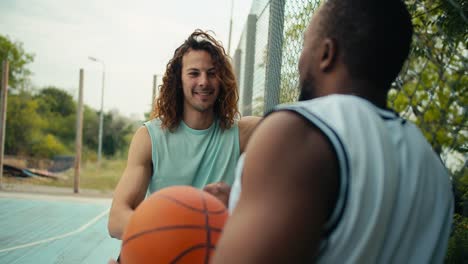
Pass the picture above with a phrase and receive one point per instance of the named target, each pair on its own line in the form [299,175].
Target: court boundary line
[74,232]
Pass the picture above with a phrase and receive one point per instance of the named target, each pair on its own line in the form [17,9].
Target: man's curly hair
[169,104]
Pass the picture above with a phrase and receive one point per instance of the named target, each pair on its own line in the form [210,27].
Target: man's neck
[199,120]
[361,88]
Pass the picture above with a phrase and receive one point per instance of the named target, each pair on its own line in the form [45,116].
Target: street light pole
[101,115]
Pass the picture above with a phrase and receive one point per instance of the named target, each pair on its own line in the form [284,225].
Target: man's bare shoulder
[249,121]
[247,125]
[140,147]
[141,134]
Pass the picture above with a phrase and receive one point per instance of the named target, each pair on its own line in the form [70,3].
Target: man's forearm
[118,221]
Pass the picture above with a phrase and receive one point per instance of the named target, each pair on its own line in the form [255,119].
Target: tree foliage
[43,125]
[23,125]
[116,130]
[59,109]
[18,60]
[431,90]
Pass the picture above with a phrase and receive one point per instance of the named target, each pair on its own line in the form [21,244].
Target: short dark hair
[373,37]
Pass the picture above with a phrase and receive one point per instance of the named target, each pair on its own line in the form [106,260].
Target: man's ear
[328,55]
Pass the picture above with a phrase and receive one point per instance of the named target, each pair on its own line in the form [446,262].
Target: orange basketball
[178,224]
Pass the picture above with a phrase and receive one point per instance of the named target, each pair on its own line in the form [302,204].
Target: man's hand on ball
[220,190]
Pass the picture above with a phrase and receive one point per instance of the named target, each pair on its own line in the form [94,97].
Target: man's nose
[203,80]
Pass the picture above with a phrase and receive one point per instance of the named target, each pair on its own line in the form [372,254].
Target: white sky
[134,38]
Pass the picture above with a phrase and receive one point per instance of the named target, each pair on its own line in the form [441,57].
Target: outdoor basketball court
[54,229]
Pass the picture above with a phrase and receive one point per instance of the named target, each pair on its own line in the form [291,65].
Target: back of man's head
[373,37]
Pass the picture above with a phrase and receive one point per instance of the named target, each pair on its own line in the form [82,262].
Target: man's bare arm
[133,184]
[289,188]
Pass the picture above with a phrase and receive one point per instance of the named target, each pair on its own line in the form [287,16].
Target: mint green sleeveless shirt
[192,157]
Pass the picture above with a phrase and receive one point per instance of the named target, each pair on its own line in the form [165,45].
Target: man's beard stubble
[306,90]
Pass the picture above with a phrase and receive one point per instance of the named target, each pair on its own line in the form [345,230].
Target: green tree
[48,146]
[116,131]
[90,130]
[24,126]
[55,100]
[18,60]
[431,90]
[59,109]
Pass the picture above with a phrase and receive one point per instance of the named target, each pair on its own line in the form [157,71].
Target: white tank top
[395,200]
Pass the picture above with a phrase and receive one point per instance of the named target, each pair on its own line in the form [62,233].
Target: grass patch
[91,177]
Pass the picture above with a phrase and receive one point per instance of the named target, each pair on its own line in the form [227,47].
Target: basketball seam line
[166,228]
[188,250]
[190,207]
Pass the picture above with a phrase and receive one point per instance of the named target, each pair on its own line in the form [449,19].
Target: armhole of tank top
[343,162]
[152,135]
[237,138]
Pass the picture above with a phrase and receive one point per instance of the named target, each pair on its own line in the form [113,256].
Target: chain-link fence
[430,91]
[267,55]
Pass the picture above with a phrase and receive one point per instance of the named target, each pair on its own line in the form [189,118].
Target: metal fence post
[79,135]
[3,110]
[249,65]
[274,54]
[237,65]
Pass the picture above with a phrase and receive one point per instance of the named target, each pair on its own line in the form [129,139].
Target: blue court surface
[54,229]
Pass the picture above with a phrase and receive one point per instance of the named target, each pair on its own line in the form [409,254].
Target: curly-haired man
[194,136]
